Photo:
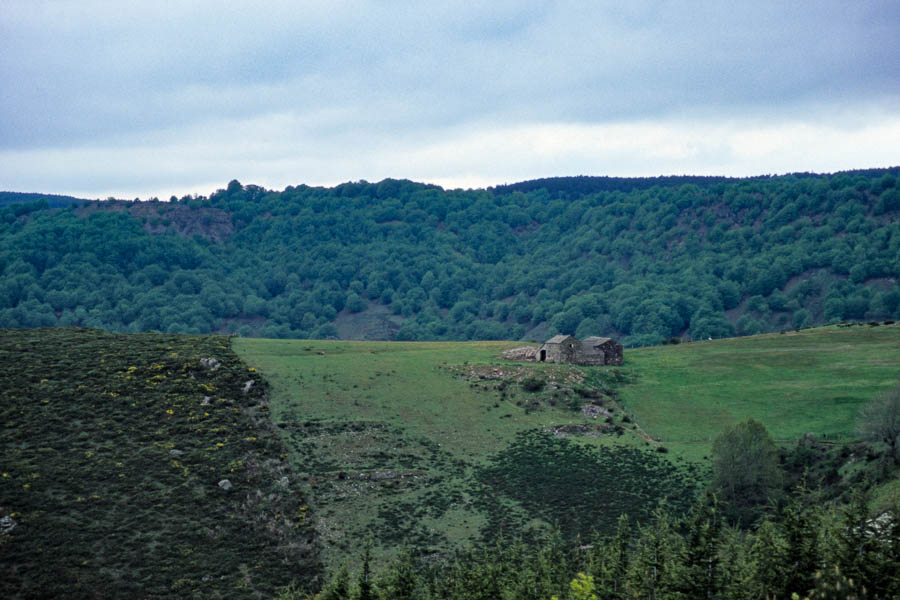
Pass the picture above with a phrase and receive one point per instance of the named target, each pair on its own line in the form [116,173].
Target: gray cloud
[149,75]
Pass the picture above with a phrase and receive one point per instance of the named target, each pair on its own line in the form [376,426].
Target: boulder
[7,524]
[210,363]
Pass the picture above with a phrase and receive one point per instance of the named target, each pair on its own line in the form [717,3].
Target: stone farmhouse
[590,351]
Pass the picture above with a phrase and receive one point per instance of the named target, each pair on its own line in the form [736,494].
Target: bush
[533,384]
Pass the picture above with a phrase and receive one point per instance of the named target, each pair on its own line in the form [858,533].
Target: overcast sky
[159,98]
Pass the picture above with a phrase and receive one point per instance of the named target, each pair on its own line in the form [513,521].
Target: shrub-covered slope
[114,447]
[443,444]
[643,259]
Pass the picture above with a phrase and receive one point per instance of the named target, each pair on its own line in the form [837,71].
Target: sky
[139,99]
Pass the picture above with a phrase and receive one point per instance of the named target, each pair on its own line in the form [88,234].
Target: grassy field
[811,381]
[440,444]
[113,450]
[114,446]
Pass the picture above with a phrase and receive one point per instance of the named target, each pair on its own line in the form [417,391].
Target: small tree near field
[879,420]
[745,470]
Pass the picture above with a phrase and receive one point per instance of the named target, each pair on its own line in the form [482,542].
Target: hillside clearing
[811,381]
[423,442]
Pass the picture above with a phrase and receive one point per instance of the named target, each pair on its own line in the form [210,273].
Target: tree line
[643,260]
[803,549]
[743,539]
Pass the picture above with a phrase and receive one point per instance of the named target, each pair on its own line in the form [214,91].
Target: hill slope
[114,448]
[641,259]
[812,381]
[441,444]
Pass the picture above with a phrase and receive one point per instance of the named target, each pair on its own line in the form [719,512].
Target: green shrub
[533,383]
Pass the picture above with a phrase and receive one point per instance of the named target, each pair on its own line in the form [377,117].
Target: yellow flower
[170,411]
[219,444]
[6,476]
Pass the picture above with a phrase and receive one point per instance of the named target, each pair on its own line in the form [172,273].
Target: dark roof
[595,340]
[557,339]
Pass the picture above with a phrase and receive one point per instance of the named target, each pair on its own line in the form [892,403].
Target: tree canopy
[639,259]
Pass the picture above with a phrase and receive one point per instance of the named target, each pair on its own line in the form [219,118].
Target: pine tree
[400,580]
[608,560]
[856,539]
[648,577]
[800,522]
[769,557]
[338,587]
[364,589]
[545,575]
[737,565]
[697,573]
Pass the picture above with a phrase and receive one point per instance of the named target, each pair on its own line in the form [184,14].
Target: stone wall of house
[614,353]
[591,359]
[571,351]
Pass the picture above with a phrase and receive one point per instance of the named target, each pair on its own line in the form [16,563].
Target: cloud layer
[175,97]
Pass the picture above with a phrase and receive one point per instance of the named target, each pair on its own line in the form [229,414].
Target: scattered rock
[521,353]
[225,485]
[206,400]
[176,452]
[206,578]
[247,385]
[210,363]
[7,524]
[580,430]
[283,483]
[592,411]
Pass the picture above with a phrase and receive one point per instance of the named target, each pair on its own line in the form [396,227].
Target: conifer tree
[400,580]
[338,587]
[608,560]
[737,565]
[769,558]
[800,522]
[648,576]
[697,573]
[364,589]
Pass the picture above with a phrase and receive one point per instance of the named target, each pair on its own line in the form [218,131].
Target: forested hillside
[641,259]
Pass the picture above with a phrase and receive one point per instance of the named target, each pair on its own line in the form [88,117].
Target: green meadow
[811,381]
[114,447]
[439,444]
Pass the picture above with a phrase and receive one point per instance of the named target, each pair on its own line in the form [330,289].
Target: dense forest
[803,551]
[640,259]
